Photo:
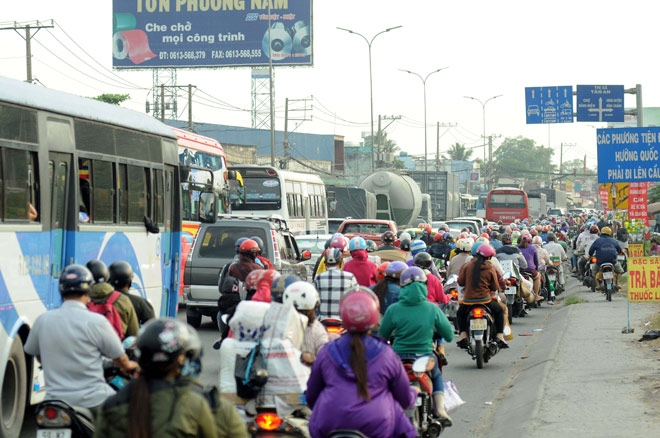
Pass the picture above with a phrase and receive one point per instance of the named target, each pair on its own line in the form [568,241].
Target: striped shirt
[332,284]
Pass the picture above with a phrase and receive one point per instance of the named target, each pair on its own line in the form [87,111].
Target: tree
[458,152]
[384,146]
[523,158]
[115,99]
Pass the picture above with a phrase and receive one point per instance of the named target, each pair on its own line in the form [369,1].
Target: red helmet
[380,272]
[359,310]
[339,242]
[593,229]
[249,246]
[426,228]
[438,236]
[258,275]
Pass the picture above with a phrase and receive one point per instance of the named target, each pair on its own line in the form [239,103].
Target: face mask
[191,368]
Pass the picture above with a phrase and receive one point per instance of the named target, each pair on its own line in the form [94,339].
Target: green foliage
[458,152]
[573,300]
[654,194]
[523,158]
[114,99]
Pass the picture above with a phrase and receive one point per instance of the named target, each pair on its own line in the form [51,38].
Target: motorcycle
[623,261]
[346,433]
[512,286]
[482,344]
[607,275]
[451,308]
[592,267]
[57,419]
[281,420]
[421,415]
[334,327]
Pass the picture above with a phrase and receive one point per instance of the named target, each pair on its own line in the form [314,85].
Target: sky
[488,48]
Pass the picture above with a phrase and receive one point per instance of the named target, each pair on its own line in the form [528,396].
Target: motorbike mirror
[419,366]
[225,318]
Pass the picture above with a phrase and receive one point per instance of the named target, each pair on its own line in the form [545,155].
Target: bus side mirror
[208,207]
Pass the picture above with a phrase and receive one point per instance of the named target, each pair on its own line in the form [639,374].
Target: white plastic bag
[452,398]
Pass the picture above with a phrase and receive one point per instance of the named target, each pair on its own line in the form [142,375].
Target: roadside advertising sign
[628,154]
[636,250]
[604,197]
[617,196]
[638,201]
[211,33]
[644,279]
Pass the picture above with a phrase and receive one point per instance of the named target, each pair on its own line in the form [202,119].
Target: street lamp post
[423,79]
[371,86]
[483,112]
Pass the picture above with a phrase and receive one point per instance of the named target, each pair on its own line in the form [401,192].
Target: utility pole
[437,146]
[285,143]
[27,27]
[381,156]
[161,113]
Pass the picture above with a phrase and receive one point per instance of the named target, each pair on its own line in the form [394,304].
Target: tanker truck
[398,197]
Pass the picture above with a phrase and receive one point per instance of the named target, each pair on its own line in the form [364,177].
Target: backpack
[107,309]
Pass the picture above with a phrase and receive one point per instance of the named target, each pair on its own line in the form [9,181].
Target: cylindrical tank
[404,194]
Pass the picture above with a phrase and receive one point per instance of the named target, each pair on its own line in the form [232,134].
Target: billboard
[211,33]
[628,154]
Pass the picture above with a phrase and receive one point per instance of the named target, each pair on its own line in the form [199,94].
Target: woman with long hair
[357,381]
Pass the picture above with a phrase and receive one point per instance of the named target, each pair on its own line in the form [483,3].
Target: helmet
[239,242]
[405,244]
[550,237]
[394,269]
[506,239]
[359,310]
[448,237]
[371,245]
[259,241]
[249,246]
[423,260]
[405,236]
[99,271]
[412,274]
[339,242]
[121,274]
[280,284]
[475,247]
[256,276]
[606,230]
[426,228]
[533,232]
[301,295]
[464,245]
[438,236]
[526,238]
[485,250]
[160,341]
[593,229]
[75,279]
[357,243]
[333,256]
[515,234]
[536,240]
[417,246]
[380,272]
[388,237]
[482,239]
[494,235]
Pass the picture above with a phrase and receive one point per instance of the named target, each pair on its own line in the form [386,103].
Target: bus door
[170,242]
[59,172]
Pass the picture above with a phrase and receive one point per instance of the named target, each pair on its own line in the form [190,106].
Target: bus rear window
[507,200]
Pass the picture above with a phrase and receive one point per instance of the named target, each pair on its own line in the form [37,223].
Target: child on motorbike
[305,298]
[415,323]
[363,373]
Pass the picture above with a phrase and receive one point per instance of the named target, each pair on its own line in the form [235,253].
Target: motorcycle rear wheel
[608,291]
[479,353]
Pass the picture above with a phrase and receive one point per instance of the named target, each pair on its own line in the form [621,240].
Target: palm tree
[458,152]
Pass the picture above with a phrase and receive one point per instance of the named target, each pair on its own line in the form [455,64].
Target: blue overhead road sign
[549,104]
[600,103]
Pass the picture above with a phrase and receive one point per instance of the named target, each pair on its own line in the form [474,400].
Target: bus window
[15,185]
[137,193]
[102,192]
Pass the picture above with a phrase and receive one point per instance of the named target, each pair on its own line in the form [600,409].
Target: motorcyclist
[606,248]
[440,249]
[480,280]
[557,250]
[261,259]
[360,265]
[338,241]
[495,241]
[436,293]
[305,299]
[388,289]
[427,231]
[248,252]
[387,241]
[415,323]
[70,343]
[364,374]
[121,278]
[584,243]
[333,283]
[101,291]
[167,400]
[531,255]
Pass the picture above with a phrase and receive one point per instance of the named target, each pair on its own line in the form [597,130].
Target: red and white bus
[507,204]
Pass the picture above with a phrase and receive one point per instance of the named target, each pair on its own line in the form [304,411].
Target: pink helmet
[485,250]
[359,310]
[339,242]
[255,277]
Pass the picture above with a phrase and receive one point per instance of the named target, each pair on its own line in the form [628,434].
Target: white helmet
[482,239]
[465,245]
[301,295]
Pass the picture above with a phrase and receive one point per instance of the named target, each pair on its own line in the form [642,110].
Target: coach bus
[81,180]
[299,198]
[507,204]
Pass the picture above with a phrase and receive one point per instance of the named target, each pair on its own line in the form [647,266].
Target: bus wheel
[14,392]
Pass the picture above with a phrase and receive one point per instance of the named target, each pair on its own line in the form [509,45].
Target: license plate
[608,275]
[54,433]
[418,402]
[510,291]
[621,257]
[552,277]
[478,324]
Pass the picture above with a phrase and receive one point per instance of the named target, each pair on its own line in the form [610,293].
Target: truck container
[537,204]
[444,189]
[398,197]
[354,202]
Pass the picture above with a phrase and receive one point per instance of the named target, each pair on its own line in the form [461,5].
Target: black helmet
[160,341]
[423,260]
[121,274]
[388,237]
[75,279]
[507,239]
[278,286]
[371,245]
[99,271]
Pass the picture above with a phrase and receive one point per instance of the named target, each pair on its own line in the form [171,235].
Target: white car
[316,244]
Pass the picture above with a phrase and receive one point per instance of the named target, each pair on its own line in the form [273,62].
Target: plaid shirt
[332,284]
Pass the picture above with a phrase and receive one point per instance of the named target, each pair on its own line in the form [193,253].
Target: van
[556,212]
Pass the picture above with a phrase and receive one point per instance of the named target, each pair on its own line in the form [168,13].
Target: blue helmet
[417,246]
[75,279]
[357,243]
[259,241]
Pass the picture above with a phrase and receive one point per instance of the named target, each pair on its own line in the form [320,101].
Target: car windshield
[458,226]
[314,244]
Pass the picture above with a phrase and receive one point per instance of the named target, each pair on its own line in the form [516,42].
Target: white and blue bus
[79,180]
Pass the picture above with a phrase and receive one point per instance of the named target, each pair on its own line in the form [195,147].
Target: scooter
[623,261]
[512,289]
[607,275]
[592,267]
[334,327]
[482,344]
[450,309]
[421,415]
[57,419]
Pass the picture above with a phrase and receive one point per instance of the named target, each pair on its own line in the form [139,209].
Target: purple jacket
[531,255]
[333,397]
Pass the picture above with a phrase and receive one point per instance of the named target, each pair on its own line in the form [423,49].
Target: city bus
[507,204]
[481,205]
[299,198]
[468,205]
[81,180]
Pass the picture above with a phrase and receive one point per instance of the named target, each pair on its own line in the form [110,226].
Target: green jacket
[413,321]
[129,321]
[179,409]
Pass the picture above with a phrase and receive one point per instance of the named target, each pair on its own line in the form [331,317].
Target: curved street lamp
[483,109]
[423,79]
[371,87]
